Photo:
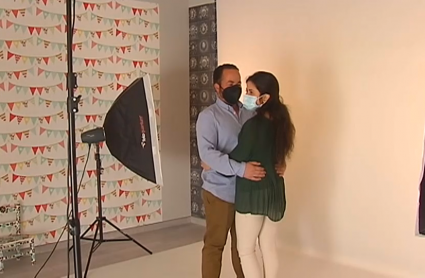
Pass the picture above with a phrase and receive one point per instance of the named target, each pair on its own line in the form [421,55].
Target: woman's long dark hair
[278,113]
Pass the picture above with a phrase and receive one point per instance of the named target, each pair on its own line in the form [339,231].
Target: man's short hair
[218,72]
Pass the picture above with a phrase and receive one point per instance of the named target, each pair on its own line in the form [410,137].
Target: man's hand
[280,169]
[205,166]
[254,171]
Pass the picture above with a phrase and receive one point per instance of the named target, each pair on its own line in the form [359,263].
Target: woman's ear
[263,99]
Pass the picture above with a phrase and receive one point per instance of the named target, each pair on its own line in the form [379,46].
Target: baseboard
[198,221]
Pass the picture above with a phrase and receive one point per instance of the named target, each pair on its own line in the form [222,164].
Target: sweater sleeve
[246,143]
[207,137]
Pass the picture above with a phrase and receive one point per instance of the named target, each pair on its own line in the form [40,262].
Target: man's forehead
[231,75]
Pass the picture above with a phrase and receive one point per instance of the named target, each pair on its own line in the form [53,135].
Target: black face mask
[232,94]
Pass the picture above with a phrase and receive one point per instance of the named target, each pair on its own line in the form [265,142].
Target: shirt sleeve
[246,142]
[207,137]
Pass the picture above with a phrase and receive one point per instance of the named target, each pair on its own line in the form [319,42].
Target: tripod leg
[83,234]
[89,228]
[91,252]
[127,236]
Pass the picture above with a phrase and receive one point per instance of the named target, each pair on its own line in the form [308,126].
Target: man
[217,131]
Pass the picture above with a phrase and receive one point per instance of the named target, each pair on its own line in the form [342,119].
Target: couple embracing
[243,148]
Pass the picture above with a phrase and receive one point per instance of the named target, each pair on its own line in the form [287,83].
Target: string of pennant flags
[81,33]
[139,198]
[136,45]
[53,234]
[56,176]
[60,76]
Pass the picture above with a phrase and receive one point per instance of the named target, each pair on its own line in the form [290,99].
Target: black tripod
[100,219]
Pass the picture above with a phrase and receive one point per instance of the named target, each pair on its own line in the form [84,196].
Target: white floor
[185,262]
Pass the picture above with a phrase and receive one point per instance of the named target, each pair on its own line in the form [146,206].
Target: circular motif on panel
[203,46]
[192,95]
[213,97]
[193,63]
[204,62]
[193,30]
[194,144]
[193,128]
[192,46]
[193,111]
[192,14]
[205,79]
[214,27]
[194,79]
[203,28]
[195,191]
[194,160]
[214,44]
[203,12]
[204,96]
[195,207]
[195,177]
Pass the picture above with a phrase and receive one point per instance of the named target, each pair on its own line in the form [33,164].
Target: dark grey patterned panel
[202,62]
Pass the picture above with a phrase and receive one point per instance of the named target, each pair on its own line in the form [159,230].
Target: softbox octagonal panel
[131,131]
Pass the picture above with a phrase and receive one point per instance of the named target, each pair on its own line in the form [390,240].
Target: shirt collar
[224,105]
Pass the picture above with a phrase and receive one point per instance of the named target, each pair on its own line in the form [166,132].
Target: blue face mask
[250,102]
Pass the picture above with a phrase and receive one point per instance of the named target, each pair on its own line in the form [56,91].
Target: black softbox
[131,131]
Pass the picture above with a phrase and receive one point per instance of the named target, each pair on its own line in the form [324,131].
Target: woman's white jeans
[249,229]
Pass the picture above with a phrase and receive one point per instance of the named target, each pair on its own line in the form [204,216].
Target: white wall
[174,70]
[352,74]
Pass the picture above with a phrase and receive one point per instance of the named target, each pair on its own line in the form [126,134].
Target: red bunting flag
[4,148]
[8,24]
[36,29]
[22,195]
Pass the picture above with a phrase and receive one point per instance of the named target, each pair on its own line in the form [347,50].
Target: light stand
[101,219]
[95,136]
[72,108]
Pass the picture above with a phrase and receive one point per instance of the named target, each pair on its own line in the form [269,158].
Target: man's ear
[217,87]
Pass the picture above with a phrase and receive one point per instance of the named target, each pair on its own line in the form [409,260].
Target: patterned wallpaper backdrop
[114,42]
[203,61]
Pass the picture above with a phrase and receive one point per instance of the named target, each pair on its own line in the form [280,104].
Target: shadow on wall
[316,110]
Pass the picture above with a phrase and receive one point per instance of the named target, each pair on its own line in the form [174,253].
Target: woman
[267,138]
